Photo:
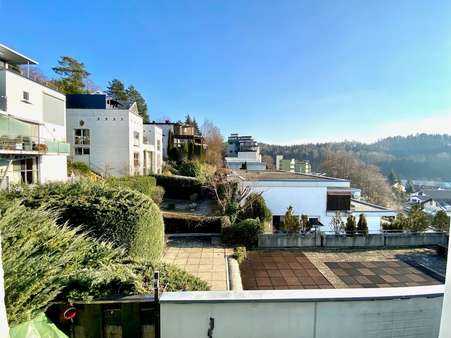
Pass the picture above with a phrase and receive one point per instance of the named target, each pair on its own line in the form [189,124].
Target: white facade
[111,141]
[412,312]
[153,141]
[33,146]
[308,194]
[252,160]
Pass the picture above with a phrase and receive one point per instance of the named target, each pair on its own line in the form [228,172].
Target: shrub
[78,168]
[179,187]
[362,225]
[157,194]
[38,259]
[190,169]
[255,207]
[291,222]
[440,221]
[240,254]
[398,224]
[350,225]
[123,217]
[305,223]
[244,233]
[187,223]
[44,262]
[143,184]
[418,220]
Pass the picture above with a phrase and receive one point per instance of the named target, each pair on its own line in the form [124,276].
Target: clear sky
[285,71]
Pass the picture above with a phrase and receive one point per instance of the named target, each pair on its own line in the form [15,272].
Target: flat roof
[15,58]
[283,176]
[362,206]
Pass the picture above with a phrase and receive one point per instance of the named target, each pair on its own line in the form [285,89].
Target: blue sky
[283,71]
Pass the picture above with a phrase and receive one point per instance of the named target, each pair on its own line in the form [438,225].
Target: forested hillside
[420,156]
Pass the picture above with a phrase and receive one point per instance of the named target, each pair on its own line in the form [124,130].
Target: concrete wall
[445,326]
[52,168]
[346,313]
[340,241]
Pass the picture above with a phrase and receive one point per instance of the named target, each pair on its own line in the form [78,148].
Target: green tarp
[39,327]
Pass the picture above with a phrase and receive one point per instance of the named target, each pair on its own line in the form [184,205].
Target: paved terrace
[201,257]
[296,269]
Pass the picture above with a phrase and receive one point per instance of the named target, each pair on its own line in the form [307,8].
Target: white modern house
[153,144]
[33,146]
[243,152]
[110,136]
[318,197]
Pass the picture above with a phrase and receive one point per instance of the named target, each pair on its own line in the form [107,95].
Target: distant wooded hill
[420,156]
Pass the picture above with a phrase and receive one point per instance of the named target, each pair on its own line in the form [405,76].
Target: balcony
[31,145]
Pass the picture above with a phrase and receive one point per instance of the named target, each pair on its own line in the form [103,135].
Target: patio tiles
[201,258]
[380,274]
[269,270]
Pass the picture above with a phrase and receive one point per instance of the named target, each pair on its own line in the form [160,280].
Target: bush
[362,225]
[123,217]
[244,233]
[350,225]
[44,263]
[143,184]
[255,207]
[398,224]
[190,169]
[440,221]
[179,187]
[176,223]
[78,168]
[240,254]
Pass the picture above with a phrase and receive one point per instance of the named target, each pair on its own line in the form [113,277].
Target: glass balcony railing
[58,147]
[32,144]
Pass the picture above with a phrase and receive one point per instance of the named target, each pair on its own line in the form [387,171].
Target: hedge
[244,233]
[44,262]
[143,184]
[176,223]
[179,187]
[123,217]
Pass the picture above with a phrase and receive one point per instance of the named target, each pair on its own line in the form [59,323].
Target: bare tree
[368,178]
[269,162]
[228,191]
[215,143]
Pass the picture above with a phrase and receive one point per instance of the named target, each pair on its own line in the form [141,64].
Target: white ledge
[310,295]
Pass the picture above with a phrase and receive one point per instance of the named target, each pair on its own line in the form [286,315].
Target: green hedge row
[144,184]
[179,187]
[121,216]
[244,233]
[181,223]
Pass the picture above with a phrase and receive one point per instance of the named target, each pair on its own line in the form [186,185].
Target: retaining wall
[387,240]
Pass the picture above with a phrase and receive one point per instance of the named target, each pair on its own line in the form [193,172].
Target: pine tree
[73,76]
[410,187]
[196,127]
[291,223]
[362,225]
[441,221]
[188,119]
[135,96]
[350,225]
[116,90]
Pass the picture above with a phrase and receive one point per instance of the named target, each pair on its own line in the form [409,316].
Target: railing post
[156,297]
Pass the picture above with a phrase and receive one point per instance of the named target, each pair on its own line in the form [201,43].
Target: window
[82,141]
[338,201]
[136,138]
[82,136]
[28,170]
[136,160]
[25,96]
[82,151]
